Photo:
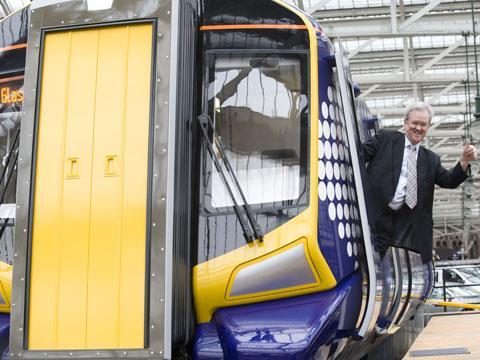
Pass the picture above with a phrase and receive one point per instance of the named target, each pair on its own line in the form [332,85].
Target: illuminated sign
[9,96]
[11,93]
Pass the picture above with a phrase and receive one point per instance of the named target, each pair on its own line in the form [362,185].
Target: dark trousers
[393,228]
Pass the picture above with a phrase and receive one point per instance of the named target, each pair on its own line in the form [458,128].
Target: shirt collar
[408,143]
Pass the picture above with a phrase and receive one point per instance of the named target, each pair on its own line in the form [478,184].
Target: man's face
[416,126]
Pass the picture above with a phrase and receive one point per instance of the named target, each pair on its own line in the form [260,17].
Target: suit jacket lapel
[398,150]
[421,165]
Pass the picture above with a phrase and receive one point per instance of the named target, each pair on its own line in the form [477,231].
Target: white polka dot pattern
[341,230]
[338,191]
[324,110]
[322,191]
[330,191]
[346,211]
[336,187]
[332,115]
[335,151]
[336,171]
[343,174]
[320,149]
[329,170]
[331,211]
[326,130]
[327,148]
[321,170]
[340,211]
[341,152]
[333,131]
[349,249]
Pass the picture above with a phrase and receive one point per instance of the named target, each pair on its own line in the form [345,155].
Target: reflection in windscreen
[257,103]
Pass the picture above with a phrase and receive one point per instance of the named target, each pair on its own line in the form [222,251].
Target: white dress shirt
[399,197]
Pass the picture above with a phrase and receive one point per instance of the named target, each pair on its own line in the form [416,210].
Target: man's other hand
[469,154]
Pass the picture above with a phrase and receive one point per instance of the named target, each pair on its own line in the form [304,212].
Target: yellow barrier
[454,304]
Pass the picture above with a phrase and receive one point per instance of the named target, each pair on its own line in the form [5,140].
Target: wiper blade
[207,124]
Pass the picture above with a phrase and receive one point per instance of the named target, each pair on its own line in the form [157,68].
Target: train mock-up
[190,184]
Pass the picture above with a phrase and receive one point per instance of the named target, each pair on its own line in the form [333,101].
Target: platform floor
[449,332]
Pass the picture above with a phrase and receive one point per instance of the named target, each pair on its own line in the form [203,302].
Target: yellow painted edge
[301,241]
[313,247]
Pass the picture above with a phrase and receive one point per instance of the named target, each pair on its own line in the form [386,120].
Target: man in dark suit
[402,175]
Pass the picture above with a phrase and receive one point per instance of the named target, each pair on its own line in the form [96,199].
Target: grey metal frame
[406,275]
[47,15]
[368,316]
[170,201]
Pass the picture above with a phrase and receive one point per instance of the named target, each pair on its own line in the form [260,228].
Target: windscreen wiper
[206,124]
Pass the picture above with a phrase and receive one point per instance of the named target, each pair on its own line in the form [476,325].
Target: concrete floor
[461,330]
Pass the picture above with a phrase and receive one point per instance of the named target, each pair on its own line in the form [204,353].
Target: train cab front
[277,274]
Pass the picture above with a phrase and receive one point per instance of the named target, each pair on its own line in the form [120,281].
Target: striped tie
[411,196]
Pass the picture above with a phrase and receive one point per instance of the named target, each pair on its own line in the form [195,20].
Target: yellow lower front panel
[87,282]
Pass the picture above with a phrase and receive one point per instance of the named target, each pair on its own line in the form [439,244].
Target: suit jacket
[384,155]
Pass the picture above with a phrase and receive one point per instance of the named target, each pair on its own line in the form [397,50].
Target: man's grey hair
[419,106]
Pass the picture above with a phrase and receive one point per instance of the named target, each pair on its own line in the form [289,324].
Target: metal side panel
[89,258]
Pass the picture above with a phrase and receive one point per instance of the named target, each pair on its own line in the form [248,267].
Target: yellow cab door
[88,259]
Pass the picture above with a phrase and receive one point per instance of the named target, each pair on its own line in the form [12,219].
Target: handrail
[409,289]
[398,284]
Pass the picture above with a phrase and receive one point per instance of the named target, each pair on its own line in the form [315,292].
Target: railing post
[444,290]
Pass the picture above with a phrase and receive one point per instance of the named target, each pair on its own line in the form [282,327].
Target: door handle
[73,168]
[111,165]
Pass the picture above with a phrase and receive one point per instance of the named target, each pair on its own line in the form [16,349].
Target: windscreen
[257,105]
